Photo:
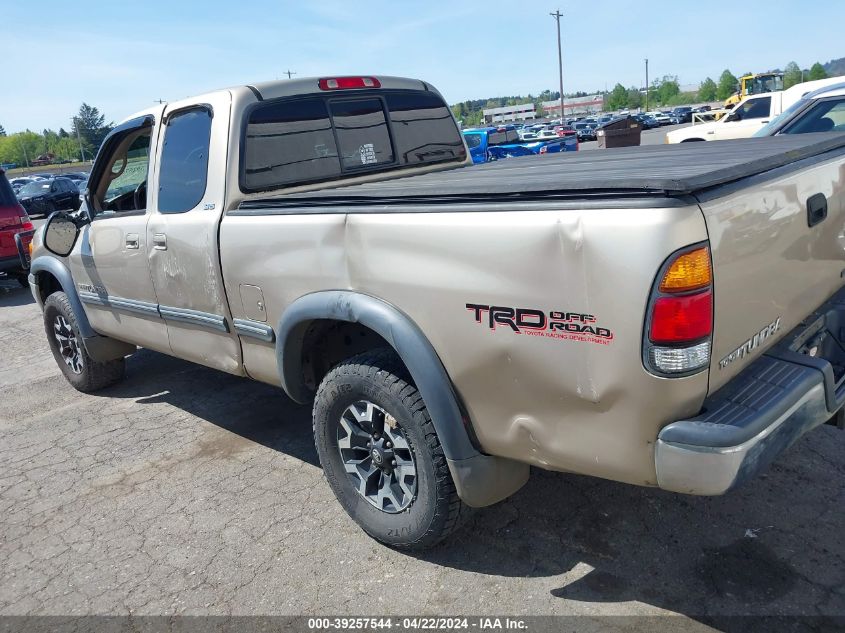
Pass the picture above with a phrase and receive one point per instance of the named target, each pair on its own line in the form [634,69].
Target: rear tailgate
[775,257]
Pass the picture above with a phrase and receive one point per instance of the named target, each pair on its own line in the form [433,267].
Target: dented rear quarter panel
[558,404]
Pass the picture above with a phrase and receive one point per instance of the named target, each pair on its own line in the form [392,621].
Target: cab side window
[755,109]
[123,185]
[826,115]
[184,160]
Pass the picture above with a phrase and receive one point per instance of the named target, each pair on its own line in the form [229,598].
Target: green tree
[791,75]
[618,98]
[707,90]
[667,89]
[817,71]
[21,148]
[92,128]
[65,148]
[635,99]
[2,131]
[727,85]
[683,98]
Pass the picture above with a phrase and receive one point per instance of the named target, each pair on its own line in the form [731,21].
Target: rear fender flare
[399,331]
[480,479]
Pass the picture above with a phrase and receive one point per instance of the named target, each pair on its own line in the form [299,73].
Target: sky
[121,56]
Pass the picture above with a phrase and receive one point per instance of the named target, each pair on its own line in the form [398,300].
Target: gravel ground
[188,491]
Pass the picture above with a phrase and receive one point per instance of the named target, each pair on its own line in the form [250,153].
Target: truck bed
[663,170]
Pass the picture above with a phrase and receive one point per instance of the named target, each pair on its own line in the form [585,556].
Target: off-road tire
[94,375]
[380,377]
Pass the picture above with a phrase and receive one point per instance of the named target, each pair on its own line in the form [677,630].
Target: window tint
[289,141]
[361,133]
[309,139]
[756,108]
[184,161]
[133,173]
[423,128]
[824,116]
[473,140]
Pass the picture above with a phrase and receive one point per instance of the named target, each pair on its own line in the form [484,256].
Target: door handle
[816,209]
[160,242]
[132,241]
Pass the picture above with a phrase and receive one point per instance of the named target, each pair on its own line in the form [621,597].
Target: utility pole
[557,15]
[288,73]
[25,157]
[79,138]
[646,84]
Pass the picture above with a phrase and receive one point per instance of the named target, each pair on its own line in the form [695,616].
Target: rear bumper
[8,264]
[745,425]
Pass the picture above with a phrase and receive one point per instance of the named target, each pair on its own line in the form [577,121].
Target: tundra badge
[751,344]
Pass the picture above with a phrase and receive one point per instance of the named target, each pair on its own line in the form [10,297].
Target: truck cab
[480,140]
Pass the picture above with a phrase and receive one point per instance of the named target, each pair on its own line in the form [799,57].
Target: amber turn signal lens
[689,271]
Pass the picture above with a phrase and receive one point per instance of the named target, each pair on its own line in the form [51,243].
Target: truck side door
[110,266]
[182,233]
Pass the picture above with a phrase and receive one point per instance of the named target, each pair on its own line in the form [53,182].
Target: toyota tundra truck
[669,316]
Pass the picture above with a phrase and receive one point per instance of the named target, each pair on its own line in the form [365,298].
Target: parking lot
[188,491]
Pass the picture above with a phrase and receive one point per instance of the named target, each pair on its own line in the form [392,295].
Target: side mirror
[60,234]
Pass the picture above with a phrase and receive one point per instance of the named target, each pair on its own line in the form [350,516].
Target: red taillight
[678,335]
[347,83]
[682,319]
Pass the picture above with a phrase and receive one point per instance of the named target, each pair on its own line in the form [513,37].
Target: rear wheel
[381,454]
[80,370]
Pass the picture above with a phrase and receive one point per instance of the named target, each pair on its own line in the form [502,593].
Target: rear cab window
[314,138]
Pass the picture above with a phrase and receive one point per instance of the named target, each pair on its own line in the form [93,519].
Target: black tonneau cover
[666,170]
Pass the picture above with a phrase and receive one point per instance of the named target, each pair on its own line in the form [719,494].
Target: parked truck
[665,316]
[749,116]
[496,143]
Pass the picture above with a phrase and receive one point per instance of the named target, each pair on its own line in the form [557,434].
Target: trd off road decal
[568,326]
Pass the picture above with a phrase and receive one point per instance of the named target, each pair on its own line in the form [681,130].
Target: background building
[521,112]
[574,105]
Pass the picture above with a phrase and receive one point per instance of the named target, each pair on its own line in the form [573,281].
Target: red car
[13,220]
[565,130]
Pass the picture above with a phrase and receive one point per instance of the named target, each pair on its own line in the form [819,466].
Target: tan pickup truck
[665,316]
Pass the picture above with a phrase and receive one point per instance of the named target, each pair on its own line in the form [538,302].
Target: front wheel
[81,371]
[381,454]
